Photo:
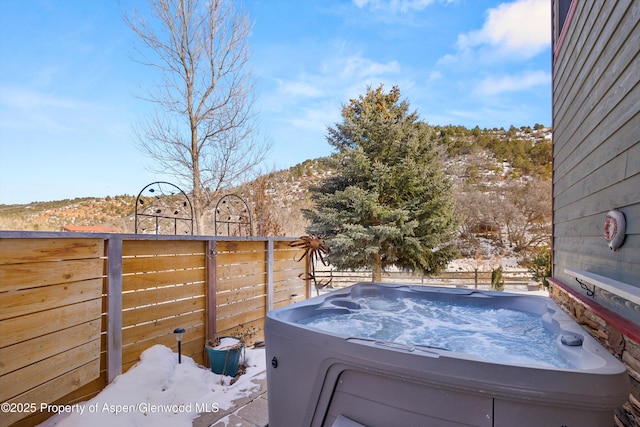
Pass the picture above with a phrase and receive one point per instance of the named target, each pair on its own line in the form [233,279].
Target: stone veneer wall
[614,337]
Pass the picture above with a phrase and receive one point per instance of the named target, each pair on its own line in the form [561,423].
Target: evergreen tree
[540,267]
[497,281]
[390,203]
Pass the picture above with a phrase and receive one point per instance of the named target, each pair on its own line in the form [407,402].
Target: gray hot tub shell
[317,378]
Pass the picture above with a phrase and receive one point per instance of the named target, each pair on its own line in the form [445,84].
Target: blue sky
[68,83]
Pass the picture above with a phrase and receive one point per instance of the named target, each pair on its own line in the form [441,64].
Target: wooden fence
[77,310]
[513,279]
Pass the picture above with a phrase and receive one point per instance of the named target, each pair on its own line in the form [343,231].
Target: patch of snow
[159,392]
[227,342]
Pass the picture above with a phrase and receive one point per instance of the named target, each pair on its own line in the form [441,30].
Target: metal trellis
[163,208]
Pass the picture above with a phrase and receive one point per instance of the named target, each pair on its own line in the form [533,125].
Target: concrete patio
[250,411]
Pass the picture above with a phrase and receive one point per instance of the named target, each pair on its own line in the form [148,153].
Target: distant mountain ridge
[478,162]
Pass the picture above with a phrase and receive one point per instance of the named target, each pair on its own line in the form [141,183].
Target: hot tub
[331,365]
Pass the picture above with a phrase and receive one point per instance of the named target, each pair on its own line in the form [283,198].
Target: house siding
[596,156]
[596,153]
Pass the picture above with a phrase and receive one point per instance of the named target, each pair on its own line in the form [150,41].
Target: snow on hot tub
[381,354]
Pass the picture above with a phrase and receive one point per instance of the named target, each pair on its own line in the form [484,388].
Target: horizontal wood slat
[280,275]
[231,271]
[240,308]
[26,353]
[55,389]
[161,327]
[290,288]
[24,276]
[283,245]
[161,247]
[162,278]
[223,298]
[251,330]
[288,255]
[240,246]
[232,284]
[237,322]
[162,263]
[241,258]
[27,301]
[160,295]
[161,311]
[235,283]
[39,373]
[37,324]
[18,251]
[289,262]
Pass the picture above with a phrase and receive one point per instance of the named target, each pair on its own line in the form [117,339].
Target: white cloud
[435,75]
[299,89]
[522,28]
[26,109]
[403,6]
[332,78]
[363,3]
[300,107]
[513,83]
[358,67]
[408,5]
[316,118]
[19,98]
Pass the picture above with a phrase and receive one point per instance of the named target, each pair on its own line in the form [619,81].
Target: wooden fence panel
[289,284]
[512,278]
[51,317]
[241,288]
[163,288]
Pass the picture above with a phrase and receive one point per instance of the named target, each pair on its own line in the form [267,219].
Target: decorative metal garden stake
[314,250]
[179,332]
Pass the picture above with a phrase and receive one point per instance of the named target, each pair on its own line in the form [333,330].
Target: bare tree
[519,212]
[479,210]
[526,214]
[202,129]
[265,211]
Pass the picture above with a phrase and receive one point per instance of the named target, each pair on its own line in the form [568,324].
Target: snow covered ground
[160,392]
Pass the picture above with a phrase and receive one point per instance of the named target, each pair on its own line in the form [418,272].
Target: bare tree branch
[203,130]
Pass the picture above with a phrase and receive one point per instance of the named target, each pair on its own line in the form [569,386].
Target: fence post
[307,275]
[114,307]
[270,267]
[210,327]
